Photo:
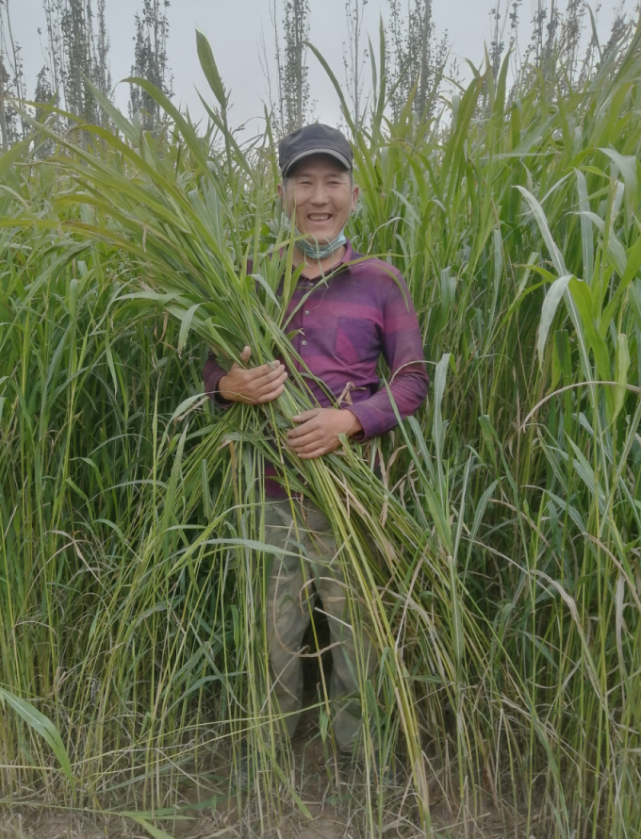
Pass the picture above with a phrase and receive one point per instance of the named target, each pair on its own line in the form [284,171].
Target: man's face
[321,195]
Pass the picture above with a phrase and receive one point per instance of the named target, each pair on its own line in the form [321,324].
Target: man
[355,310]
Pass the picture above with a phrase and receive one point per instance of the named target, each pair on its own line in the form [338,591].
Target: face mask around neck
[314,250]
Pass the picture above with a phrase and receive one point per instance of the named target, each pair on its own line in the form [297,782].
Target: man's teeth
[319,218]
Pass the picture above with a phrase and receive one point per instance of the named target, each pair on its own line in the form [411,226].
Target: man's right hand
[253,385]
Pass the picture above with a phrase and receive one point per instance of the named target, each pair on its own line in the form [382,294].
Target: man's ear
[355,194]
[281,193]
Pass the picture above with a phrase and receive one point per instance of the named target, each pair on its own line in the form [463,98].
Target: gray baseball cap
[314,139]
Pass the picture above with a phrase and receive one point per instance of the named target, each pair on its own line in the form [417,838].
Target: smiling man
[355,311]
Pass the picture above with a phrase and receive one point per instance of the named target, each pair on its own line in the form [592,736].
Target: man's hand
[255,385]
[318,431]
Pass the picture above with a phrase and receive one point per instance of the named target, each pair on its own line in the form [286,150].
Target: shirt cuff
[368,419]
[214,394]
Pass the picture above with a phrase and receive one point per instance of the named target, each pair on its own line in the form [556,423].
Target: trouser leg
[289,601]
[349,642]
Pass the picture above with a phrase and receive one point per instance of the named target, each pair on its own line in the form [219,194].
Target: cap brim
[331,152]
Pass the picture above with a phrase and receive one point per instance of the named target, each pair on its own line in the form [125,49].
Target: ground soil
[325,824]
[333,816]
[336,813]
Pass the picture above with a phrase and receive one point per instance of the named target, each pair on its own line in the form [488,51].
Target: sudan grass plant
[538,198]
[495,557]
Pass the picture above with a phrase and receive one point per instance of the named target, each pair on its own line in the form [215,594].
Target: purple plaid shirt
[345,324]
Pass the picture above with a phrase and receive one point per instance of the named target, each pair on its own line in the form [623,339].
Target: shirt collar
[343,265]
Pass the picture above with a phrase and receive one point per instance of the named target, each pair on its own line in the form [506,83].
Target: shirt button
[307,312]
[304,343]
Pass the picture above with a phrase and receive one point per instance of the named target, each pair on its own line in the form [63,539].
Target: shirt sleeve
[403,352]
[212,374]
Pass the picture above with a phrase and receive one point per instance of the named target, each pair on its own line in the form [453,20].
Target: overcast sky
[234,30]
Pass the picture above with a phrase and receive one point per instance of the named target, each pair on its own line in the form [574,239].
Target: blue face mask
[316,251]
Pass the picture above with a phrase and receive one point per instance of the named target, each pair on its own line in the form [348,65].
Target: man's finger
[274,394]
[267,373]
[267,370]
[275,372]
[313,437]
[266,386]
[319,451]
[245,354]
[303,431]
[307,415]
[315,446]
[259,377]
[304,446]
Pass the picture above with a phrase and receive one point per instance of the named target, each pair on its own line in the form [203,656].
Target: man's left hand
[318,431]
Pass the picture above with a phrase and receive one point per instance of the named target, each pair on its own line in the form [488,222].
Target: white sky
[234,30]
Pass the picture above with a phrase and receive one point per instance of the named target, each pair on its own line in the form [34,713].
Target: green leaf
[338,87]
[210,68]
[622,365]
[185,406]
[41,725]
[185,326]
[633,262]
[539,215]
[587,240]
[582,297]
[438,428]
[110,361]
[550,305]
[627,166]
[131,132]
[15,153]
[73,298]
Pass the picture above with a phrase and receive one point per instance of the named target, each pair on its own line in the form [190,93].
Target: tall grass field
[492,541]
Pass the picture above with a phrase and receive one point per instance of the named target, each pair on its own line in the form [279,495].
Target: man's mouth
[319,217]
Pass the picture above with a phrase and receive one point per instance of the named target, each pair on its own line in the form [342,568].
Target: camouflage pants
[314,571]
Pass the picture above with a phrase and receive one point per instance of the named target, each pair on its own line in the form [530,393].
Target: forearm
[225,391]
[213,373]
[353,427]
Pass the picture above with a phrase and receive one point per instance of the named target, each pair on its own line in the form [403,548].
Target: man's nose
[319,194]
